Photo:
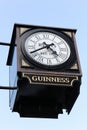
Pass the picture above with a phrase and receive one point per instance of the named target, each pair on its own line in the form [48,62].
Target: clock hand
[46,46]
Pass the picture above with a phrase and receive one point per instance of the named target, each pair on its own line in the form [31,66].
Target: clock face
[46,48]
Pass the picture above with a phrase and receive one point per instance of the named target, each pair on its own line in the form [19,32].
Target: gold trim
[74,66]
[24,64]
[22,30]
[74,80]
[68,33]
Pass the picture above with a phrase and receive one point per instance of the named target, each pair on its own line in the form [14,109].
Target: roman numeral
[63,49]
[40,59]
[49,62]
[62,55]
[45,36]
[34,55]
[30,46]
[37,37]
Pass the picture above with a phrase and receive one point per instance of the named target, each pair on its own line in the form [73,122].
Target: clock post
[45,67]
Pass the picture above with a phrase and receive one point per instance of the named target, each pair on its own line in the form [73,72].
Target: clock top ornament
[47,69]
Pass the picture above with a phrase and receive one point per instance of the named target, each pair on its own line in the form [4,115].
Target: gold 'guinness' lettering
[57,80]
[50,79]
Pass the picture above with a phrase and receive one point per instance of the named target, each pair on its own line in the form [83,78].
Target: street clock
[45,67]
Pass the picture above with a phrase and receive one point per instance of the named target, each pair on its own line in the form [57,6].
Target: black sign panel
[54,80]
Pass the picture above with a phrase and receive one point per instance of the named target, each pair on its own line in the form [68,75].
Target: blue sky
[64,13]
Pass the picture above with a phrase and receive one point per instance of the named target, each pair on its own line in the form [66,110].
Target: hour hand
[48,47]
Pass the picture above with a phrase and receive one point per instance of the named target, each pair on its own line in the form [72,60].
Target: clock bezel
[33,62]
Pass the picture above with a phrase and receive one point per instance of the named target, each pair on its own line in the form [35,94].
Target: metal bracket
[6,87]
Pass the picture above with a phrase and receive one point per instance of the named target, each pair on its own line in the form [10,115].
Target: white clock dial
[47,48]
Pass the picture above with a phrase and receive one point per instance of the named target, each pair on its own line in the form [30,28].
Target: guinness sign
[55,80]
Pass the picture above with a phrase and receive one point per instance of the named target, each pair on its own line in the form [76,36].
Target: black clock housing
[42,90]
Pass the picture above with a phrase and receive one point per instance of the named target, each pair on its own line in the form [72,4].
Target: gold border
[24,64]
[23,29]
[53,84]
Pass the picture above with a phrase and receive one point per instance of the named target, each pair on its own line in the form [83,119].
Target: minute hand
[46,46]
